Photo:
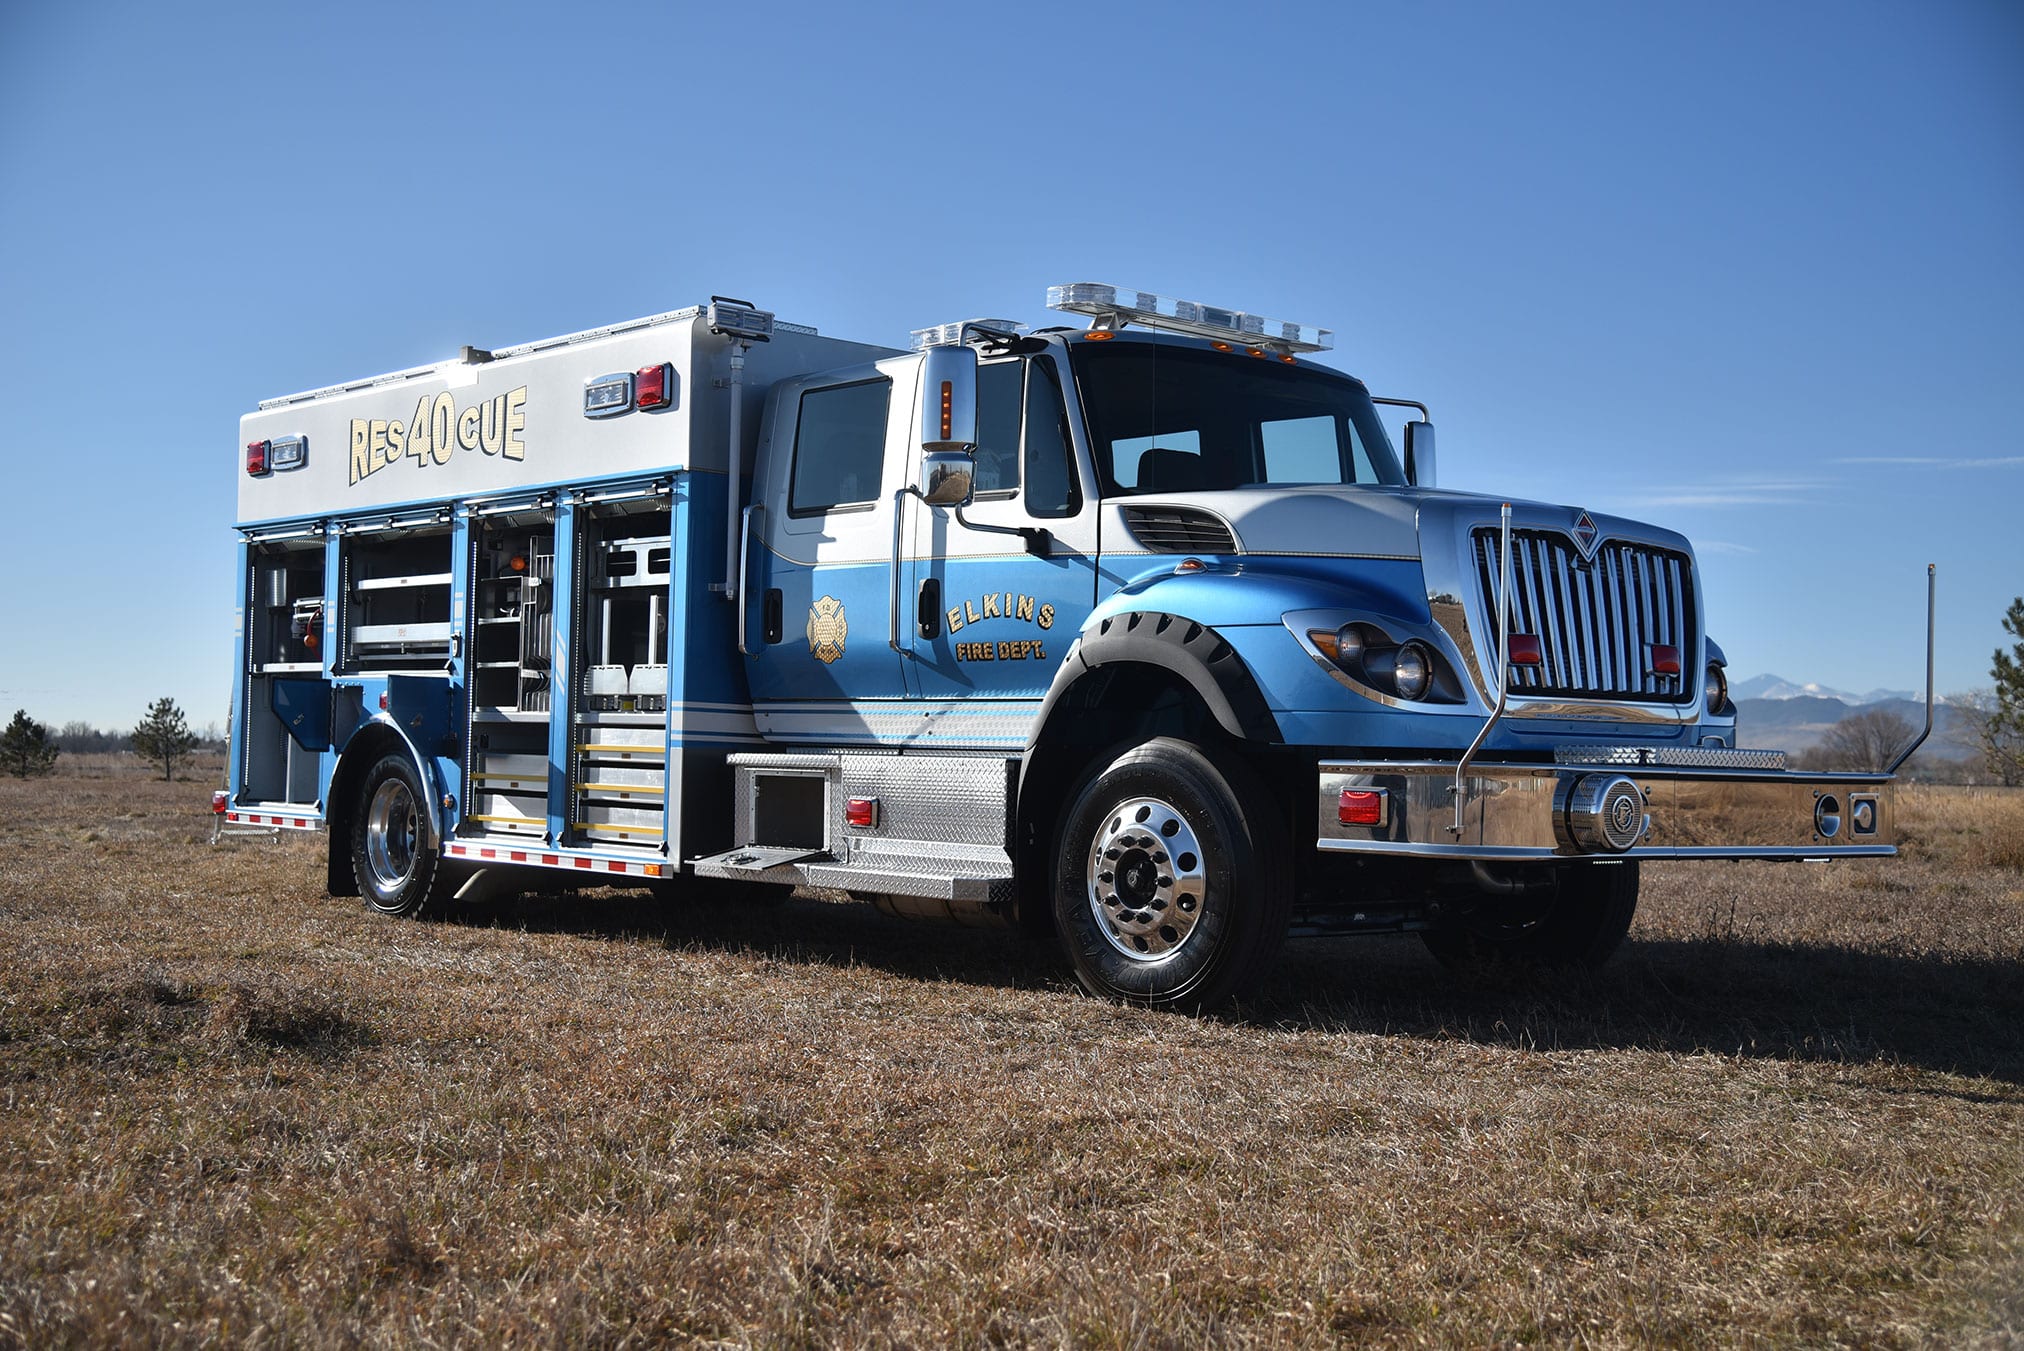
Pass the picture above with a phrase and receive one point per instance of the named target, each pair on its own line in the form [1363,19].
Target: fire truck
[1139,634]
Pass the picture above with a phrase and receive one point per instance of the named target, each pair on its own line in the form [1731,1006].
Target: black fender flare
[1190,653]
[1191,650]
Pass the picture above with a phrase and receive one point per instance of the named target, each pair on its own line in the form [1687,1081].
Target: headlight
[1413,673]
[1718,687]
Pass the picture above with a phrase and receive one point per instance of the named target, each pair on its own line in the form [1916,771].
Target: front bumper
[1712,806]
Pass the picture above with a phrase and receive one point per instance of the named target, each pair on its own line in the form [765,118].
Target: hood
[1378,522]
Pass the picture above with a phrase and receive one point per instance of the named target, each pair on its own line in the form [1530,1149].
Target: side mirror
[1420,454]
[949,398]
[946,476]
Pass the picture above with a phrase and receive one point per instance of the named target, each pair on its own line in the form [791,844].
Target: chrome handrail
[1503,668]
[1920,739]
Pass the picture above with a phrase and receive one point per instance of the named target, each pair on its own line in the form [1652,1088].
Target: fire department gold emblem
[827,629]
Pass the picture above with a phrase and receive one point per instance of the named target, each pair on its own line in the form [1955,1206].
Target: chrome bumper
[1600,809]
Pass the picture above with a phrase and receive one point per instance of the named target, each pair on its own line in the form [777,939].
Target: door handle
[928,609]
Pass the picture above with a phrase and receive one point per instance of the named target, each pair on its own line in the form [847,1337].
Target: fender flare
[1193,651]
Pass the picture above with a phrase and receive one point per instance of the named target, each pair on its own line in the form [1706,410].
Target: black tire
[1577,926]
[397,872]
[1141,920]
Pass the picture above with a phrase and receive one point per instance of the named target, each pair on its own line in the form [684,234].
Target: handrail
[1503,669]
[1920,739]
[742,599]
[893,571]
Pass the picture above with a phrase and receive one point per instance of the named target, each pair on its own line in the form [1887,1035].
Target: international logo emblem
[827,629]
[1585,534]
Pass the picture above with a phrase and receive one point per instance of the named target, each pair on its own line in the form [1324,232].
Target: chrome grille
[1180,530]
[1594,620]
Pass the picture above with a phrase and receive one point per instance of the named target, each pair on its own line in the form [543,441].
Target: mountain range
[1778,687]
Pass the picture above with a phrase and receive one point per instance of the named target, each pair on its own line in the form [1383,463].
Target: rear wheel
[1577,924]
[1166,891]
[398,872]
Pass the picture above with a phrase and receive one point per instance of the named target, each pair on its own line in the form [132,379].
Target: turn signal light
[1526,650]
[256,458]
[654,386]
[1663,658]
[861,813]
[1361,807]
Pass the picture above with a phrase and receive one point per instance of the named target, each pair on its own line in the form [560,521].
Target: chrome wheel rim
[1147,879]
[391,831]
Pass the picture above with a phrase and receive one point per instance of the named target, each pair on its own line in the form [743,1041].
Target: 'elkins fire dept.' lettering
[1000,605]
[438,430]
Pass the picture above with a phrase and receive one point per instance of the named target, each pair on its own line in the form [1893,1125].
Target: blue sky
[1750,271]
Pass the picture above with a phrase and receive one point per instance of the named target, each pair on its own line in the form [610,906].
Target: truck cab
[1168,579]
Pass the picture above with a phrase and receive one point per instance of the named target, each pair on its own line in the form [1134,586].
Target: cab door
[819,555]
[1000,589]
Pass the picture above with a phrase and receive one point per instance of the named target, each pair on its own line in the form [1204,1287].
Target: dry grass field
[236,1111]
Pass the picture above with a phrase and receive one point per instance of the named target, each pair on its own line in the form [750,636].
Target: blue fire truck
[1140,635]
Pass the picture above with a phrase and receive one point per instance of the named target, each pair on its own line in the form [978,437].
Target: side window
[998,427]
[839,447]
[1302,450]
[1170,462]
[1050,467]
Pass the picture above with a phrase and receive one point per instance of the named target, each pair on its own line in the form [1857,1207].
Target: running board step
[748,861]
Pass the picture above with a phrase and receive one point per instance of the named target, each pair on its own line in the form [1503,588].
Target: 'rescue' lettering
[438,430]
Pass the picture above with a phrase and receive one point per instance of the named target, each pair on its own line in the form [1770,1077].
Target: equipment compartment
[397,599]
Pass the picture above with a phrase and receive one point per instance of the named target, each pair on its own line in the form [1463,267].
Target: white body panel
[517,421]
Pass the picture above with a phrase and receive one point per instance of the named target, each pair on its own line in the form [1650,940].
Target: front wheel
[1576,925]
[398,873]
[1167,892]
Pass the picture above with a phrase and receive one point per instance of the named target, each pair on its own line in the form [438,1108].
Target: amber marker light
[517,563]
[948,408]
[1289,358]
[1254,351]
[1098,335]
[1222,347]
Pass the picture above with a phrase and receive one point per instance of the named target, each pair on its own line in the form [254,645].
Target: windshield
[1165,418]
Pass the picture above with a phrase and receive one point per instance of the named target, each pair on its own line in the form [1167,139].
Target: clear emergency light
[1112,307]
[953,335]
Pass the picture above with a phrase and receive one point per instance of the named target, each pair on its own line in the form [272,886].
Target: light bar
[953,335]
[1116,306]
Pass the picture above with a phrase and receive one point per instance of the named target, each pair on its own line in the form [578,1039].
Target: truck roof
[521,349]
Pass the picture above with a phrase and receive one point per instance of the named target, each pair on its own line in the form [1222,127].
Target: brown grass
[234,1110]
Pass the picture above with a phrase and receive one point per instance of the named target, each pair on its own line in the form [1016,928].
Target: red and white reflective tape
[266,819]
[540,858]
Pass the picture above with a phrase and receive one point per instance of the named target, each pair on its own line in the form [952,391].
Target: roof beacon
[1112,307]
[959,332]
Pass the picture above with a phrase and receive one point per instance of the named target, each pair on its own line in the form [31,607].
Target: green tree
[163,735]
[2003,728]
[25,751]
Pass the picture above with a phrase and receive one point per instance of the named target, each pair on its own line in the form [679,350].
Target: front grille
[1180,530]
[1595,621]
